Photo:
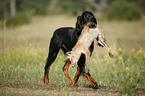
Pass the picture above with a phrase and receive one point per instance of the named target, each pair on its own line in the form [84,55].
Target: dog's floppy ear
[78,23]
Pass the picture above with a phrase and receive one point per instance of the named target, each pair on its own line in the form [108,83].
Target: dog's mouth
[91,25]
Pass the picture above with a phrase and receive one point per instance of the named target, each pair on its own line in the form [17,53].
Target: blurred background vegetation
[18,12]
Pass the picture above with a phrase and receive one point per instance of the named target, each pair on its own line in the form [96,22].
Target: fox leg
[75,57]
[87,56]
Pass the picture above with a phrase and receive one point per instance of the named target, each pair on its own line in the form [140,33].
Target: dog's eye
[87,18]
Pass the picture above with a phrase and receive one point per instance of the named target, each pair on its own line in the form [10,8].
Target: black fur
[65,39]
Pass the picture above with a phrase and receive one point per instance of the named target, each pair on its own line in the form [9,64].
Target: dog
[65,38]
[88,35]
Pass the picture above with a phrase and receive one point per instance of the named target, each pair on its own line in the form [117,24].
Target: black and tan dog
[65,39]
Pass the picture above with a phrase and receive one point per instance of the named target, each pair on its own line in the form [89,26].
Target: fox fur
[86,38]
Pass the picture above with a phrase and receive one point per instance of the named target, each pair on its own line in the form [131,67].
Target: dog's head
[87,18]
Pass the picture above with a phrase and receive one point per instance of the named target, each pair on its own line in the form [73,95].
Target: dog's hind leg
[92,81]
[87,75]
[65,69]
[53,51]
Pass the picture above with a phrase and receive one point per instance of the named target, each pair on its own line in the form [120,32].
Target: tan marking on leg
[76,76]
[46,78]
[91,80]
[66,70]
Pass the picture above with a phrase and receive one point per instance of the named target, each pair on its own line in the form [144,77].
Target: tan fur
[82,46]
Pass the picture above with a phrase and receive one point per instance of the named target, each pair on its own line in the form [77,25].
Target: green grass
[23,58]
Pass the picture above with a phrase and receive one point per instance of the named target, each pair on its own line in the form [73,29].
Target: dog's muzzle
[91,25]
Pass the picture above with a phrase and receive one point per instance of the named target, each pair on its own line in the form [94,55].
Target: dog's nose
[93,25]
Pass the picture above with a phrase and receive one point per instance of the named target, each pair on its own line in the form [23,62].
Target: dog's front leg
[77,75]
[65,69]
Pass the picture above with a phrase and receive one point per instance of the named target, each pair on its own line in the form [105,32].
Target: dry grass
[23,58]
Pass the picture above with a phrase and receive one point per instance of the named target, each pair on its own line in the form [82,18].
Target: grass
[23,56]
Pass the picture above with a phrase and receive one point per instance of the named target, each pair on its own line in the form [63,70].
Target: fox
[88,35]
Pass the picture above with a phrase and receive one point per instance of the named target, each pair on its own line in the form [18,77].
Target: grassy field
[23,52]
